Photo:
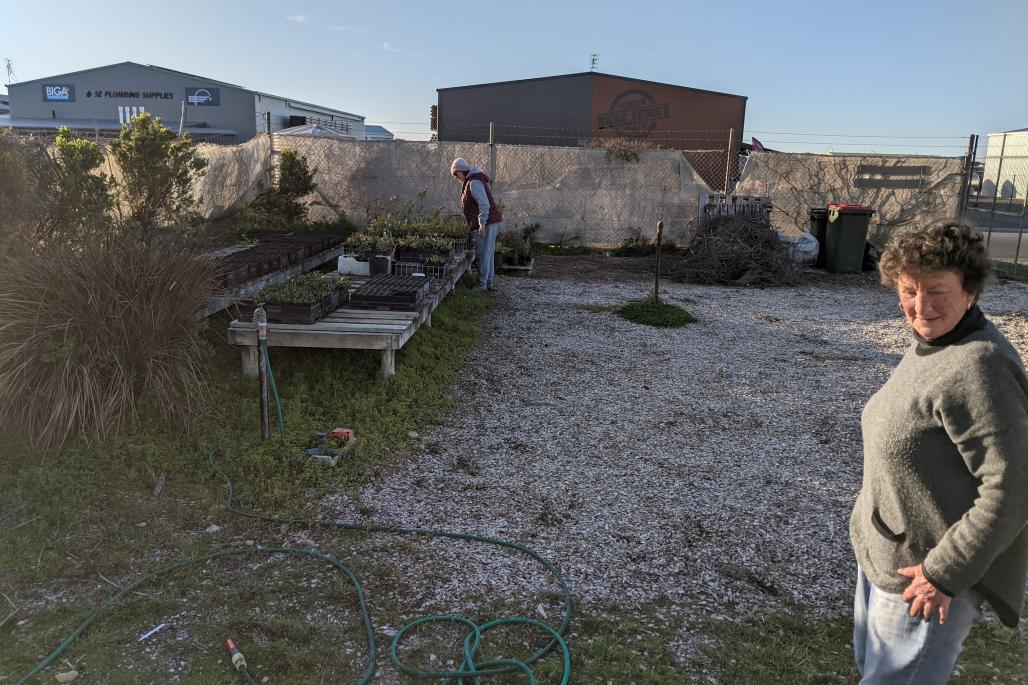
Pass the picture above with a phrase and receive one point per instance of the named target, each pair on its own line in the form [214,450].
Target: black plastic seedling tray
[390,291]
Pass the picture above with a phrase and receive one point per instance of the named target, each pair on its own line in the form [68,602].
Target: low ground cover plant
[651,311]
[307,287]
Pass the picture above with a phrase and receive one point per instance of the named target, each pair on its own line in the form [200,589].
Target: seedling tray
[391,291]
[288,312]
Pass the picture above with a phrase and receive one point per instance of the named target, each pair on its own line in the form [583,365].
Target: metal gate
[995,187]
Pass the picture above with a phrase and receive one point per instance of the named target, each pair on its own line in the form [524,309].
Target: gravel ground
[712,465]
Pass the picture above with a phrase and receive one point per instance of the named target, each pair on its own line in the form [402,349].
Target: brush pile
[737,250]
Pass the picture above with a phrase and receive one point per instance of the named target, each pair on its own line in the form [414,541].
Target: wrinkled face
[933,301]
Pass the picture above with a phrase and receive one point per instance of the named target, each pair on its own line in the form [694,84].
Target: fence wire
[996,185]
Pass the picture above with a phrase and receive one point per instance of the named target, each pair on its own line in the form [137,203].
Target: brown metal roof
[592,73]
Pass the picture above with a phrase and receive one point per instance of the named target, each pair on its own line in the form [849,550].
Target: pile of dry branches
[737,250]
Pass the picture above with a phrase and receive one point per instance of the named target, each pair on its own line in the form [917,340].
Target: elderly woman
[939,525]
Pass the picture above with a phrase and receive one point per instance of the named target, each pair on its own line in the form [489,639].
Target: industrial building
[1005,172]
[564,110]
[100,100]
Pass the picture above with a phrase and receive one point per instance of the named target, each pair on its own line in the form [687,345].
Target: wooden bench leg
[250,361]
[388,363]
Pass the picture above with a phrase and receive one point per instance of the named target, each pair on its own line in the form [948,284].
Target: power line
[855,135]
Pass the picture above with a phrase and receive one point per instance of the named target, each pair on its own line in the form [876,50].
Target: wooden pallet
[349,328]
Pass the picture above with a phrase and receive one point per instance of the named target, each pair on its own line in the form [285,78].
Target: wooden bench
[348,328]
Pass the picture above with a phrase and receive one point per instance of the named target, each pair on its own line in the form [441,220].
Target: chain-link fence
[903,190]
[996,187]
[577,195]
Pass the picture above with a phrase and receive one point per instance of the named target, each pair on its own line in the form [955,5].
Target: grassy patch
[653,312]
[79,522]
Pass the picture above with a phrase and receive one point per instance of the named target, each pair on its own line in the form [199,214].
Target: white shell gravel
[713,465]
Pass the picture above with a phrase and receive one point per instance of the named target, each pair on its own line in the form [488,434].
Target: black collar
[973,320]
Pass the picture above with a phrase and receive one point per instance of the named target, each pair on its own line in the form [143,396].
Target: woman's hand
[924,597]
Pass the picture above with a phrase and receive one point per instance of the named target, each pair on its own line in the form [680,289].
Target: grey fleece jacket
[946,472]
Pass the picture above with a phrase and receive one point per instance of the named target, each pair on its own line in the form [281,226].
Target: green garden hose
[468,669]
[274,391]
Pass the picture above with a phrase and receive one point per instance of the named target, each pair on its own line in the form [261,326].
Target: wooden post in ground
[261,321]
[250,361]
[660,237]
[388,363]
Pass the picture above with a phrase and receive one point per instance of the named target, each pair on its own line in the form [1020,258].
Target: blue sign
[203,97]
[54,92]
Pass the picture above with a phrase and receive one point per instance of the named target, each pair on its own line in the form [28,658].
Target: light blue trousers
[892,647]
[485,248]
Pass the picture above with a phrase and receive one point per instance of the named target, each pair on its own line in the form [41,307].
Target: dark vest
[470,206]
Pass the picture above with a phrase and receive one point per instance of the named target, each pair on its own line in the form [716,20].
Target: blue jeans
[485,248]
[892,647]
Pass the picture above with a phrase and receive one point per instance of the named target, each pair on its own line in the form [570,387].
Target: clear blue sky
[889,68]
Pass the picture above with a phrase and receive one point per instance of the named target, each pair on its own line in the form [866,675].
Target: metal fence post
[965,188]
[995,193]
[492,154]
[1020,232]
[728,159]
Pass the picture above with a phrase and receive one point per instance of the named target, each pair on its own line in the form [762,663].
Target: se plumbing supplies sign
[55,92]
[203,97]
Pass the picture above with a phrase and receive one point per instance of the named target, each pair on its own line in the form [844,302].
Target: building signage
[204,97]
[131,94]
[634,113]
[54,92]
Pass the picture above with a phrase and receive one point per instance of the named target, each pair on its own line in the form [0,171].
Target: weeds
[638,245]
[652,312]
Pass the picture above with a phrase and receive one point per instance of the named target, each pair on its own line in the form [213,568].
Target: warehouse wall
[548,111]
[97,94]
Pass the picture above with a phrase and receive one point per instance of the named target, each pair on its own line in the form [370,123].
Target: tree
[280,208]
[20,169]
[157,174]
[78,198]
[296,178]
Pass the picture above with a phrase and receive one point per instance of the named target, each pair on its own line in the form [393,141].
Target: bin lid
[843,208]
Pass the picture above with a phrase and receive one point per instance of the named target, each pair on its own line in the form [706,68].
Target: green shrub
[22,162]
[296,177]
[280,209]
[78,198]
[157,171]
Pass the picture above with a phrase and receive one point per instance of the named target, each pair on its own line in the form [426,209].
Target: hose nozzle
[238,660]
